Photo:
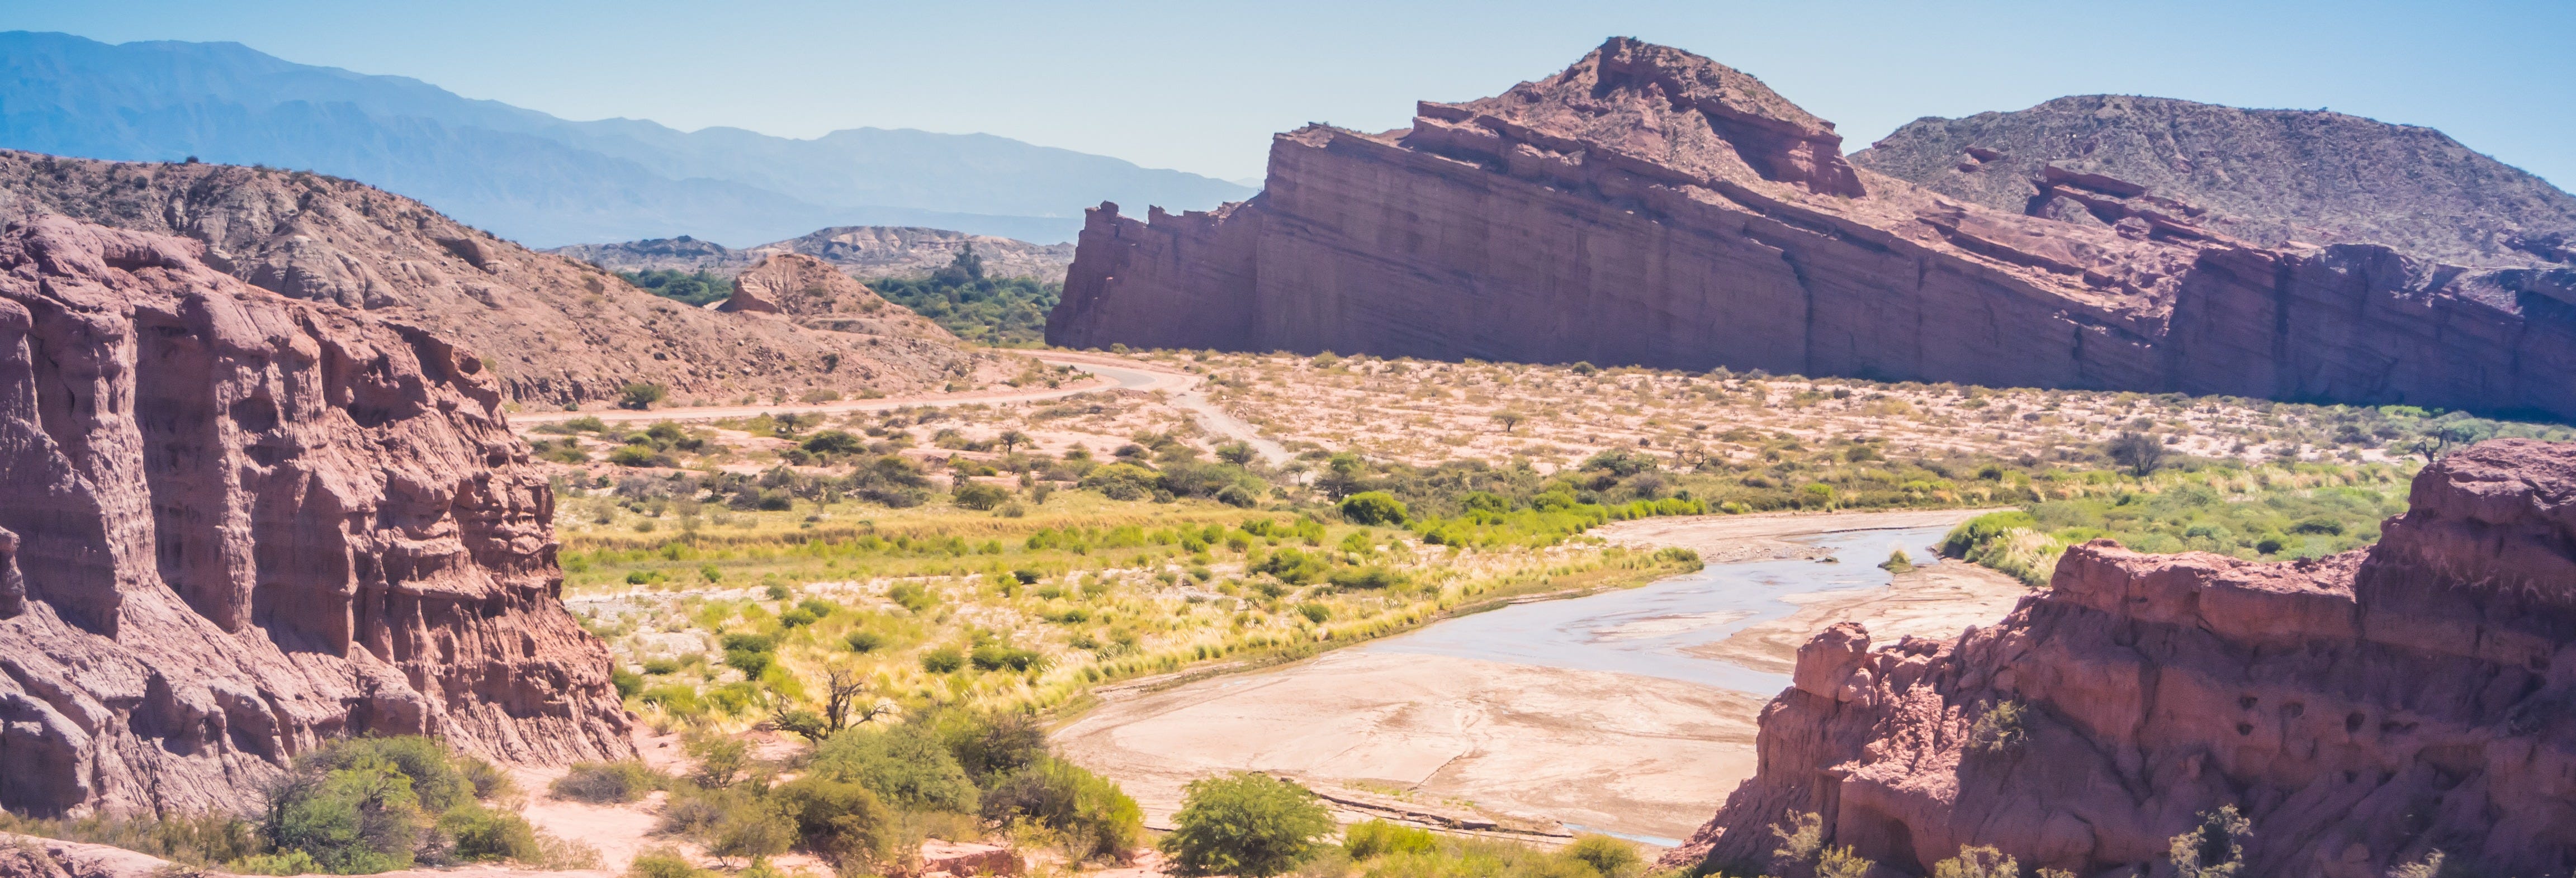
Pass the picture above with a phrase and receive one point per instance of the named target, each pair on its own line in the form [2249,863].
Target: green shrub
[1244,824]
[1978,862]
[1373,508]
[639,396]
[840,820]
[994,657]
[1375,838]
[979,496]
[282,863]
[1370,577]
[481,833]
[661,862]
[628,682]
[1897,562]
[2001,729]
[1121,481]
[602,783]
[905,766]
[1609,856]
[1095,818]
[864,641]
[912,596]
[352,821]
[2215,849]
[946,659]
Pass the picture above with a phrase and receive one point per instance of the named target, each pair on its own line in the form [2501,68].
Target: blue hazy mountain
[539,179]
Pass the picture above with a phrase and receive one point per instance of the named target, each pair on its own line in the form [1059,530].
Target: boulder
[2362,710]
[240,524]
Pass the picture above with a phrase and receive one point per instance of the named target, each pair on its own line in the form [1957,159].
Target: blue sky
[1200,86]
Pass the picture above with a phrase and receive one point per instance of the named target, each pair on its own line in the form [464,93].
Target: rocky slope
[813,293]
[233,524]
[866,252]
[2362,710]
[2270,177]
[1648,206]
[553,330]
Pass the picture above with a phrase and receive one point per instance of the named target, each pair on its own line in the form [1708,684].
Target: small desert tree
[1509,420]
[2141,453]
[639,396]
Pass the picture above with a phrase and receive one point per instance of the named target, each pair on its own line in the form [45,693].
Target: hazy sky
[1201,86]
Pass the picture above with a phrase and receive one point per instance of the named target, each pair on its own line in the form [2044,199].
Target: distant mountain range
[542,180]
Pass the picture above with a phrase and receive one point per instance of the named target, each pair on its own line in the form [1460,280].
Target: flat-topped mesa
[1647,206]
[2362,710]
[233,525]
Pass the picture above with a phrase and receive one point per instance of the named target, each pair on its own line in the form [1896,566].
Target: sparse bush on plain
[602,783]
[1244,824]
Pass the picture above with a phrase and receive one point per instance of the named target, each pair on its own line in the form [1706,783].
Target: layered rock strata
[553,330]
[1652,207]
[2363,710]
[816,294]
[2271,177]
[233,525]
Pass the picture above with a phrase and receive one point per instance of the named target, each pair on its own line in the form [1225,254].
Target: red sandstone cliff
[2362,709]
[233,524]
[1653,207]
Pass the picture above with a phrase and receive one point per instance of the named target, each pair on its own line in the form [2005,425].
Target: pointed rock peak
[1669,108]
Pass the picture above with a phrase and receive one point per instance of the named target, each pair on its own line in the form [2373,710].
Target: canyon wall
[2363,710]
[1651,207]
[233,525]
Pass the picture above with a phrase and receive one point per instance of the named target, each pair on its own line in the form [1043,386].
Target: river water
[1644,630]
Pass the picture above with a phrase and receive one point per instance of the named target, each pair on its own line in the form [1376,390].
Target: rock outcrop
[1647,206]
[2363,710]
[554,330]
[2268,177]
[813,293]
[866,252]
[233,525]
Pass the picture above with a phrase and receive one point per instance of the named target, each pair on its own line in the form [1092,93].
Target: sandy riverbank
[1451,734]
[1640,755]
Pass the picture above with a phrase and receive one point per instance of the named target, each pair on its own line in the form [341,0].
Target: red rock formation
[1652,207]
[816,294]
[234,524]
[2363,709]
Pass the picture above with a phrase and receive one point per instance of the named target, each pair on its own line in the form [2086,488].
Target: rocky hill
[233,525]
[2270,177]
[866,252]
[2361,710]
[553,331]
[1648,206]
[813,293]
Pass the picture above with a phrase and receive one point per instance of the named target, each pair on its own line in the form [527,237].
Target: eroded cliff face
[233,525]
[2363,710]
[1652,207]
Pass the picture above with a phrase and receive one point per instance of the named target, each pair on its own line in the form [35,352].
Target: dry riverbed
[1527,749]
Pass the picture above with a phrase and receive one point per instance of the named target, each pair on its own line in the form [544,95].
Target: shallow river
[1645,630]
